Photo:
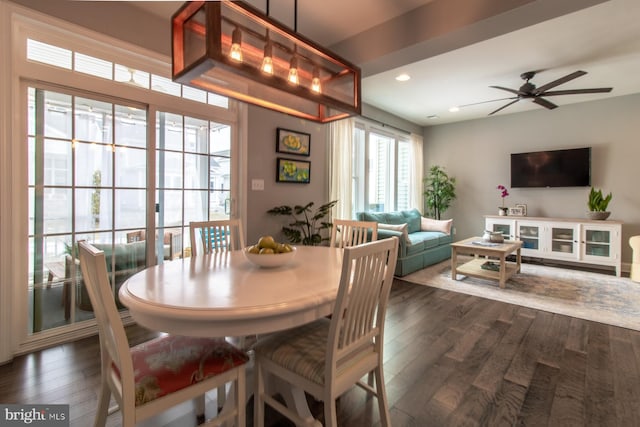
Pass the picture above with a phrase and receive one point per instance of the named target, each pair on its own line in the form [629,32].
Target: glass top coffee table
[490,259]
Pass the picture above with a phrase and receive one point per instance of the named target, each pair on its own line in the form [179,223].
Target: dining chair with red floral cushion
[149,378]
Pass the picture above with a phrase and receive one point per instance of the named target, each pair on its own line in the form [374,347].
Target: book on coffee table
[490,265]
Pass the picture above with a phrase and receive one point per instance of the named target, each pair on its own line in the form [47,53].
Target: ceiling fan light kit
[232,49]
[529,90]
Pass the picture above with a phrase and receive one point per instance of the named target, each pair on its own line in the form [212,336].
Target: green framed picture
[290,170]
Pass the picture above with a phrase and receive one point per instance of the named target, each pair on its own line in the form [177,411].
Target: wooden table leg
[503,270]
[454,262]
[518,260]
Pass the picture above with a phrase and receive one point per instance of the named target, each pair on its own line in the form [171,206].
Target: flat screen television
[556,168]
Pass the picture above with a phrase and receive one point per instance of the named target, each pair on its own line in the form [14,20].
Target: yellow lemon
[267,242]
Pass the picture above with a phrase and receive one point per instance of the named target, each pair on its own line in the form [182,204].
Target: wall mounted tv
[556,168]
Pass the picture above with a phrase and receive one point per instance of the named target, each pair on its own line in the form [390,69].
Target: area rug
[586,295]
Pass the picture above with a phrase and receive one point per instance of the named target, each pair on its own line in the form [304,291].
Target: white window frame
[16,25]
[361,165]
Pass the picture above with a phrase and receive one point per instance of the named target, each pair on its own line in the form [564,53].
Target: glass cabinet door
[597,242]
[563,240]
[506,227]
[529,234]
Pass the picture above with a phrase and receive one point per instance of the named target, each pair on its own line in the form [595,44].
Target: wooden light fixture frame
[200,58]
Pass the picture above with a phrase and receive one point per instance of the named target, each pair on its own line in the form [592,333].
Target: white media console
[563,239]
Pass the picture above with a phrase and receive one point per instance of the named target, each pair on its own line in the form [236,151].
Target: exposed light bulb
[293,70]
[236,41]
[267,60]
[315,81]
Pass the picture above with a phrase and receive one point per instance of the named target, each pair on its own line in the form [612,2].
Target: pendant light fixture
[315,81]
[267,58]
[236,45]
[231,48]
[293,69]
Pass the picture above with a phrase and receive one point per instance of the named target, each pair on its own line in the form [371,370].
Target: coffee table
[477,247]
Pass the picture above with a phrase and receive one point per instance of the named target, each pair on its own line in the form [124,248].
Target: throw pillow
[428,224]
[402,228]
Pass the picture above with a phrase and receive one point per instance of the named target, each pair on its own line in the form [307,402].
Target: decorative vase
[598,215]
[493,236]
[502,211]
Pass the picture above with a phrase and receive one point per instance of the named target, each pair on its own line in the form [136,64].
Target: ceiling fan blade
[577,91]
[505,106]
[514,91]
[485,102]
[560,81]
[545,103]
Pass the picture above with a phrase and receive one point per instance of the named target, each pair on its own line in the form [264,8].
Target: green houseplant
[439,191]
[95,198]
[598,204]
[307,225]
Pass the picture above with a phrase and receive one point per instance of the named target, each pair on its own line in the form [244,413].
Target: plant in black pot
[598,205]
[307,225]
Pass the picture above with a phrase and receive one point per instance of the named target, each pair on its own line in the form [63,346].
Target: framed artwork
[292,142]
[523,207]
[290,170]
[516,211]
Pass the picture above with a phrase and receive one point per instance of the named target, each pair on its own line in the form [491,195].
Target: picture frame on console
[516,211]
[523,207]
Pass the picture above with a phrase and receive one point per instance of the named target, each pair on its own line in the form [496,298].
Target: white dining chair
[347,232]
[149,378]
[216,236]
[327,357]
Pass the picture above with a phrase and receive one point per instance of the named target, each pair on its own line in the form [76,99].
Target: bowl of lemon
[268,253]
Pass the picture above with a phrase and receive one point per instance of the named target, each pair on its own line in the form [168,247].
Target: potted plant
[439,191]
[598,205]
[307,225]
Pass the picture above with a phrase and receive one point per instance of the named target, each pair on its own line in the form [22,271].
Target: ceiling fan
[529,91]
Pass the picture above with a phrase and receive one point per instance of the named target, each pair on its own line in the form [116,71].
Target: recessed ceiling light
[403,77]
[432,116]
[454,109]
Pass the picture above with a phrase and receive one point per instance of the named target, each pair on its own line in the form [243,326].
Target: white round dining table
[223,294]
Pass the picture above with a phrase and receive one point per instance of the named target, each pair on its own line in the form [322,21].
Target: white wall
[477,153]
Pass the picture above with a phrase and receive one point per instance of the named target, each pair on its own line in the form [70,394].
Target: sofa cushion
[415,245]
[371,216]
[428,224]
[412,217]
[445,239]
[401,228]
[385,234]
[429,239]
[395,218]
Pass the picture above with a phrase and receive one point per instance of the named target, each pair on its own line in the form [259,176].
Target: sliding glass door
[87,180]
[193,176]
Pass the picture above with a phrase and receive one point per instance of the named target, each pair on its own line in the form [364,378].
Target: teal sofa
[418,249]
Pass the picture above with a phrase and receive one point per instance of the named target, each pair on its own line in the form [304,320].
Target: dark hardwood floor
[450,360]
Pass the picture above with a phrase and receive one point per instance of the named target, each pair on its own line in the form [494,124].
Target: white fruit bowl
[270,260]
